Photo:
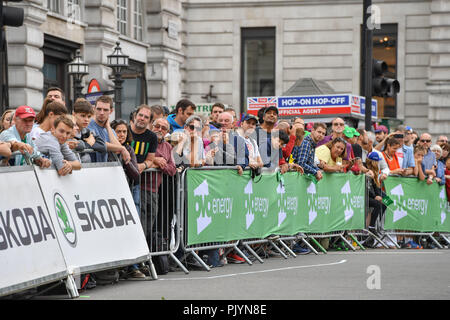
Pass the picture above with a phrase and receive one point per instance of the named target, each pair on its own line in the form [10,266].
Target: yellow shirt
[324,154]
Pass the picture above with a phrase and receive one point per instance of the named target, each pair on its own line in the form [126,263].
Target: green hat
[348,132]
[355,132]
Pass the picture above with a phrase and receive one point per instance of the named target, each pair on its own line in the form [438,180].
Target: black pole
[368,35]
[118,94]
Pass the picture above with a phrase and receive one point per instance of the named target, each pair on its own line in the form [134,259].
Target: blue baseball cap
[374,156]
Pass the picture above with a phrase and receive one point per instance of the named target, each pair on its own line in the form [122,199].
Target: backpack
[160,262]
[106,277]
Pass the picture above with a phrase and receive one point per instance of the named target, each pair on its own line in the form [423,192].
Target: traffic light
[11,16]
[382,86]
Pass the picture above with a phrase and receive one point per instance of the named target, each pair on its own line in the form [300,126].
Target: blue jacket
[173,124]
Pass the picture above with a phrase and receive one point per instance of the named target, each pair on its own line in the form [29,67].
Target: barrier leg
[347,242]
[309,245]
[178,262]
[152,269]
[445,239]
[71,287]
[249,249]
[285,246]
[356,241]
[436,242]
[242,255]
[272,243]
[318,244]
[377,239]
[392,240]
[200,260]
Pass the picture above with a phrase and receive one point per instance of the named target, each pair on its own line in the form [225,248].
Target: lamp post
[78,69]
[118,62]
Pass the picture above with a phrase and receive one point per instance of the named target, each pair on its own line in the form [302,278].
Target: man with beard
[163,161]
[101,126]
[144,141]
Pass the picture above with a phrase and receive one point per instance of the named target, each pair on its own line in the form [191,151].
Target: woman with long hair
[331,154]
[389,154]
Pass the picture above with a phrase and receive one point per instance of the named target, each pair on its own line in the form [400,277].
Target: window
[121,16]
[137,20]
[53,6]
[133,88]
[385,48]
[68,8]
[257,63]
[129,16]
[73,10]
[57,53]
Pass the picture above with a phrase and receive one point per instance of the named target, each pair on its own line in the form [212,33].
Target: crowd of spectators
[153,137]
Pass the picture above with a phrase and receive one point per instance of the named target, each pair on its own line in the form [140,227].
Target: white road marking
[255,272]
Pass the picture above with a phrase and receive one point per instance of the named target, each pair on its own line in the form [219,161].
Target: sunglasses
[425,141]
[157,126]
[339,124]
[192,127]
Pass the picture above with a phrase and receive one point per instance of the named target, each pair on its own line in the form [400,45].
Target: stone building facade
[180,48]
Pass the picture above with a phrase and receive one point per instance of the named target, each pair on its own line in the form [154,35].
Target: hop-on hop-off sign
[319,105]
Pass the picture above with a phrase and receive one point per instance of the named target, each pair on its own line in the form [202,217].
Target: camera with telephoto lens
[85,133]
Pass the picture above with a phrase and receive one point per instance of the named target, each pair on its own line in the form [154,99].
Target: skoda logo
[65,220]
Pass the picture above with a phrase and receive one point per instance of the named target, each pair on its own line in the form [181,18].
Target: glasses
[425,141]
[442,141]
[338,124]
[158,126]
[192,127]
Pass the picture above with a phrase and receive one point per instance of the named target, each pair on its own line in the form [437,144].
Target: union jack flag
[260,102]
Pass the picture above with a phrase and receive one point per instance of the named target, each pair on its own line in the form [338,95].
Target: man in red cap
[19,137]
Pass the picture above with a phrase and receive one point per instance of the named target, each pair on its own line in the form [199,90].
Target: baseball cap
[408,128]
[348,132]
[249,116]
[381,128]
[271,108]
[355,132]
[24,112]
[374,156]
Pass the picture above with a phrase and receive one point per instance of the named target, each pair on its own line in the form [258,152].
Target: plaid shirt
[304,155]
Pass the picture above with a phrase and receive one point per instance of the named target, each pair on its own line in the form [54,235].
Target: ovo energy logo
[64,219]
[443,205]
[203,220]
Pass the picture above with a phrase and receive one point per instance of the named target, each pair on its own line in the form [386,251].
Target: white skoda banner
[95,218]
[29,251]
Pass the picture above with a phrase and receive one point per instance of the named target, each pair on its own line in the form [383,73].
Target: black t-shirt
[144,144]
[357,150]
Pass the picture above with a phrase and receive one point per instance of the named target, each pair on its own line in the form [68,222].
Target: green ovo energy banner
[416,206]
[223,206]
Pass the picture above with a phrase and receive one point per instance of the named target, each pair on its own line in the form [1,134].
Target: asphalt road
[362,275]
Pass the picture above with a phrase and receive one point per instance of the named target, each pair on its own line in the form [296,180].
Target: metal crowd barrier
[160,201]
[366,232]
[193,249]
[389,233]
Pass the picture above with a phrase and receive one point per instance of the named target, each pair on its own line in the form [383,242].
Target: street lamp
[78,69]
[118,62]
